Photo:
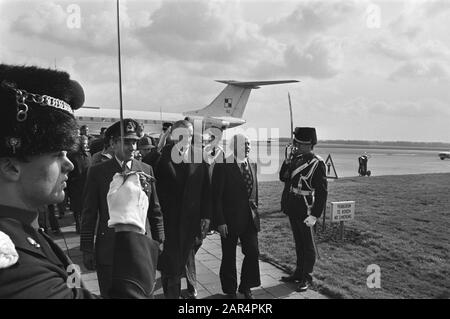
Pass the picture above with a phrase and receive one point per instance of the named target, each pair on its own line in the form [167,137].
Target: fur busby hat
[129,127]
[305,135]
[36,111]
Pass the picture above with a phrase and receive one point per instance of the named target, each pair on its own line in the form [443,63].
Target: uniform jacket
[184,192]
[77,178]
[41,269]
[100,157]
[293,204]
[95,208]
[232,205]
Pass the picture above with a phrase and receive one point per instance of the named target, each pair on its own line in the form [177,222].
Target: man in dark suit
[81,160]
[184,190]
[38,127]
[95,208]
[235,190]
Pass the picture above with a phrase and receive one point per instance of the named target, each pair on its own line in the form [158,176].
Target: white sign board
[342,211]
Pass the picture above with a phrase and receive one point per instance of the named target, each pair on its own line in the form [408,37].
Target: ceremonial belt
[299,191]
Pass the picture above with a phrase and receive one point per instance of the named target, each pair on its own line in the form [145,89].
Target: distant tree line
[381,143]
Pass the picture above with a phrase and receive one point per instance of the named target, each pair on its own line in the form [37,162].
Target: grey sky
[368,70]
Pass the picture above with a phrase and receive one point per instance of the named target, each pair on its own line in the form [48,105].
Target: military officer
[37,129]
[304,198]
[98,253]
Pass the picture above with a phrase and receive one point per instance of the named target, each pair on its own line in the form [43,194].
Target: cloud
[437,7]
[202,31]
[421,70]
[50,22]
[310,17]
[320,58]
[423,108]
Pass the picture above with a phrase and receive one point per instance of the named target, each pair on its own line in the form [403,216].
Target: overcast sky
[375,70]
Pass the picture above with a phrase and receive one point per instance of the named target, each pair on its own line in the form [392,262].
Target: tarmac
[208,260]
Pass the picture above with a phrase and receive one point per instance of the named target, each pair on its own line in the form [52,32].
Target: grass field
[402,224]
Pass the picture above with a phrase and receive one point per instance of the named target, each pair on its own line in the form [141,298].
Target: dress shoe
[303,286]
[247,293]
[290,279]
[191,294]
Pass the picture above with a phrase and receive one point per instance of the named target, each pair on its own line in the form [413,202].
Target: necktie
[247,175]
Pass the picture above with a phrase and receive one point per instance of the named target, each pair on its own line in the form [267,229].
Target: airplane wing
[255,84]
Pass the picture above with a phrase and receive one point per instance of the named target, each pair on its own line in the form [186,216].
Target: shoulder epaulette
[319,158]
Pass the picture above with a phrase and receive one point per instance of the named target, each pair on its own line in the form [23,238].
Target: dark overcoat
[77,178]
[184,193]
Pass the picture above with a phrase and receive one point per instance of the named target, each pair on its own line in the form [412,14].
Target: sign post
[341,212]
[331,170]
[324,214]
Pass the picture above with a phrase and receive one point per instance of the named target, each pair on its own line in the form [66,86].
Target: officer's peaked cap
[129,129]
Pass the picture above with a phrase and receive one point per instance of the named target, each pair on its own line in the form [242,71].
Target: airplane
[444,155]
[224,112]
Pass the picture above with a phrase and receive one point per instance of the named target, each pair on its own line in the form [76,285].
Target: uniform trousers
[304,247]
[104,276]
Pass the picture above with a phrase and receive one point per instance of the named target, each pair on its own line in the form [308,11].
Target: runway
[345,158]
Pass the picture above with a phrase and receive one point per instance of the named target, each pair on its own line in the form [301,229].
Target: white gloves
[127,202]
[8,253]
[310,220]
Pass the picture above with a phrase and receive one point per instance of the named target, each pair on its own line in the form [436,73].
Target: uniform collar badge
[33,242]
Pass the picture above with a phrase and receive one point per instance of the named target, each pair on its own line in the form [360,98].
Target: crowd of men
[139,204]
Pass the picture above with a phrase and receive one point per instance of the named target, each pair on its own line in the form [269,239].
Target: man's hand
[310,221]
[127,204]
[223,230]
[89,260]
[204,226]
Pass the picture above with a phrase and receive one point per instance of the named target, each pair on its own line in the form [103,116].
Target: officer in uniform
[303,200]
[37,128]
[98,253]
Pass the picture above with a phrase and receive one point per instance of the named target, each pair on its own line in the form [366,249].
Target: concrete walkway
[207,263]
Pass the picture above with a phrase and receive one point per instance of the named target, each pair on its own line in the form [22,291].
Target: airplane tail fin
[233,99]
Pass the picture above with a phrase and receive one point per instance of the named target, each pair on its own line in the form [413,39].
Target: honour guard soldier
[304,199]
[37,129]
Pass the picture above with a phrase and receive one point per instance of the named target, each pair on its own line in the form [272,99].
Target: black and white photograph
[235,152]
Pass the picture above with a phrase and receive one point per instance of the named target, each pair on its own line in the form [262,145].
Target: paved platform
[208,260]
